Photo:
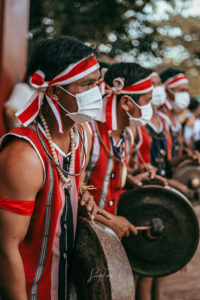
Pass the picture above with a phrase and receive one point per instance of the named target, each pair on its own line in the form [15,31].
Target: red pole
[14,21]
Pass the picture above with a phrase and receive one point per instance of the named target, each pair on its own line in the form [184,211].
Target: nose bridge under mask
[87,96]
[89,105]
[158,95]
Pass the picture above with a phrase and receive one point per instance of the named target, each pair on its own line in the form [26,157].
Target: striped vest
[155,147]
[103,171]
[47,247]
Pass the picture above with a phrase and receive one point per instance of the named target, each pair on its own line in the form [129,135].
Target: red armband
[19,207]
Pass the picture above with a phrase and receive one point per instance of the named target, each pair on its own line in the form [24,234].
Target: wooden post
[14,21]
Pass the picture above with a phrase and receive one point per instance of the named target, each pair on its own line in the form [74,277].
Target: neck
[154,117]
[116,134]
[62,140]
[122,123]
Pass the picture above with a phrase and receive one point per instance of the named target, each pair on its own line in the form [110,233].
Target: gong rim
[186,171]
[139,244]
[99,271]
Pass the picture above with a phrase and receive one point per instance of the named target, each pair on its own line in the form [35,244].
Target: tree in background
[137,30]
[113,26]
[180,37]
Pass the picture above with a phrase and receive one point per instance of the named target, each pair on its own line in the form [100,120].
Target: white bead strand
[66,180]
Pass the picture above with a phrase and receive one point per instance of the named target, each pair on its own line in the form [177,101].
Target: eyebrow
[90,80]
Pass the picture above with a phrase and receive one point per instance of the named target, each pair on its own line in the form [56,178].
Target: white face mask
[158,96]
[147,113]
[181,101]
[89,105]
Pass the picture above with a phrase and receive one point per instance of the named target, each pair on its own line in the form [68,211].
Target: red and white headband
[110,104]
[72,73]
[175,81]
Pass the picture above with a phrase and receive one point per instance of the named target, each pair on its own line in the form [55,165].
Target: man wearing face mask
[40,166]
[154,144]
[178,98]
[155,139]
[129,91]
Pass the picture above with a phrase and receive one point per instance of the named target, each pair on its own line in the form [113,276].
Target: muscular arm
[21,177]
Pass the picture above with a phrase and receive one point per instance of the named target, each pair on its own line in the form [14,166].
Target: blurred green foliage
[113,26]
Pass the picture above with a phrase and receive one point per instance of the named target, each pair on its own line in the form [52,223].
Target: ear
[53,93]
[126,103]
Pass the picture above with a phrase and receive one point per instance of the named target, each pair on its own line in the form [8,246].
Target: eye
[90,84]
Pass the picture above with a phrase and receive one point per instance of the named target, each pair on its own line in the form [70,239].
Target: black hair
[53,55]
[131,72]
[103,64]
[194,103]
[168,73]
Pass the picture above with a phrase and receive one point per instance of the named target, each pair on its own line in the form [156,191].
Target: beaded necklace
[61,172]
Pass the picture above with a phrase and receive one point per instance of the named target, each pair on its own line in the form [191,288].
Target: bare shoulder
[21,172]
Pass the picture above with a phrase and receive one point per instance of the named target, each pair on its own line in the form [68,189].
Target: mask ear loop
[66,91]
[64,109]
[138,106]
[68,113]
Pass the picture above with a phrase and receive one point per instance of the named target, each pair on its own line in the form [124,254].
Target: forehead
[90,77]
[156,80]
[146,96]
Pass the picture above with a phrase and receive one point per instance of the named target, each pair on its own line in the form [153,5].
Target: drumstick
[143,227]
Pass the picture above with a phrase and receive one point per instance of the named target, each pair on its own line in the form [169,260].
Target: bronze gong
[100,269]
[178,241]
[188,174]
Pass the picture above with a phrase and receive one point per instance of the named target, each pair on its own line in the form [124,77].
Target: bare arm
[191,154]
[120,225]
[21,177]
